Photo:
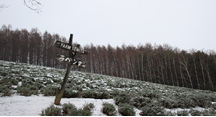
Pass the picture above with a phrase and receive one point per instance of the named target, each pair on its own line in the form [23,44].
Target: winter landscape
[28,90]
[125,57]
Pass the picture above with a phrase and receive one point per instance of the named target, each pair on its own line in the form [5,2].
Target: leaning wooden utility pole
[70,60]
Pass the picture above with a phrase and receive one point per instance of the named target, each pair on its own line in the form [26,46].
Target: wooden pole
[61,91]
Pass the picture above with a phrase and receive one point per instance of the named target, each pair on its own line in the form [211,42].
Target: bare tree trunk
[209,77]
[195,68]
[185,66]
[203,74]
[171,73]
[175,71]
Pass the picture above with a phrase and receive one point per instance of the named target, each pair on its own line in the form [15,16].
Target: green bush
[169,113]
[2,73]
[109,109]
[126,109]
[67,108]
[49,90]
[182,113]
[194,112]
[27,82]
[184,100]
[89,106]
[89,94]
[140,101]
[27,90]
[38,83]
[5,90]
[10,81]
[71,110]
[102,94]
[213,106]
[150,93]
[115,92]
[201,100]
[122,98]
[81,112]
[52,111]
[169,103]
[209,112]
[97,94]
[71,93]
[153,109]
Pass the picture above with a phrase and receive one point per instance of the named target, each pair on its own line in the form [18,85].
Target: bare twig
[2,6]
[33,5]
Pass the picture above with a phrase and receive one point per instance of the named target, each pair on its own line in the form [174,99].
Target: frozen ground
[16,76]
[33,105]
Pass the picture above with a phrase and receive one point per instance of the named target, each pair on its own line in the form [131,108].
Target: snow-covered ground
[33,105]
[14,76]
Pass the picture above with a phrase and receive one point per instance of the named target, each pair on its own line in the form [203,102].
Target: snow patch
[19,83]
[33,105]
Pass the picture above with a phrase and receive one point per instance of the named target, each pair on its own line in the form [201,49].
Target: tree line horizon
[161,64]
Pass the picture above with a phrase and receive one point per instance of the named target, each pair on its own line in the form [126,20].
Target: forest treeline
[154,63]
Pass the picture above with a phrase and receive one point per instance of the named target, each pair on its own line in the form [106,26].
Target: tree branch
[33,5]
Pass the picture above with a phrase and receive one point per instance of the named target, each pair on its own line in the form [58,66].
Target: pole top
[70,39]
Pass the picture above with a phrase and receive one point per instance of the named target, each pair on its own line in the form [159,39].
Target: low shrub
[49,90]
[71,110]
[169,103]
[182,113]
[39,84]
[27,90]
[80,112]
[184,100]
[26,82]
[213,106]
[89,106]
[201,100]
[153,109]
[71,93]
[150,93]
[97,94]
[169,113]
[51,111]
[140,101]
[67,108]
[126,109]
[122,98]
[209,112]
[109,109]
[102,94]
[5,90]
[88,94]
[2,73]
[9,81]
[194,112]
[115,92]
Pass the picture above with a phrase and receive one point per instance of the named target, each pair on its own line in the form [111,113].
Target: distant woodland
[154,63]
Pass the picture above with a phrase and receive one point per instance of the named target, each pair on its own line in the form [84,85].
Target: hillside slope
[19,81]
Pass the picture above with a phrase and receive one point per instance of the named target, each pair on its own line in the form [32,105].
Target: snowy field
[33,105]
[23,86]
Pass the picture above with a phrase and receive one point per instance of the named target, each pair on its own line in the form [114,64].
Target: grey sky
[186,24]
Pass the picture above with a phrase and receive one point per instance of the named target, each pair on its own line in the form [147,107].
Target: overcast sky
[185,24]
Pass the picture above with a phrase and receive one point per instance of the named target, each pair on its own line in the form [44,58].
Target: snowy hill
[28,89]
